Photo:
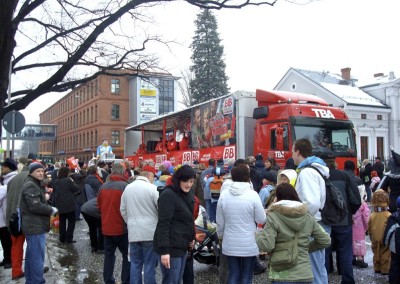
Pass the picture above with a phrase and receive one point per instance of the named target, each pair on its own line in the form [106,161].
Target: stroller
[206,249]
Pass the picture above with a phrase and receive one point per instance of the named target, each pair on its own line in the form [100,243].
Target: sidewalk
[50,276]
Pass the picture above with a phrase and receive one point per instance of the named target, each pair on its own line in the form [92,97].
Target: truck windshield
[328,140]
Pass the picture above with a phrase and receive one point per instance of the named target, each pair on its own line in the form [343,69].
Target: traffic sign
[13,121]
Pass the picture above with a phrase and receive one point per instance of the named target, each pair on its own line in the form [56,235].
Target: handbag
[284,255]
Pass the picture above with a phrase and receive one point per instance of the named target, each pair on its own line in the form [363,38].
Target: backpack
[392,236]
[216,183]
[335,208]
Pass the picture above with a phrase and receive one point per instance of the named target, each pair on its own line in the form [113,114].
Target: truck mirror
[260,112]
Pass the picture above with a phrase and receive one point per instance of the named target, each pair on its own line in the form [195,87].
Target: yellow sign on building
[148,93]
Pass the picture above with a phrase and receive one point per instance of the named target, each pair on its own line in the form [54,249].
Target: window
[166,96]
[363,116]
[379,117]
[114,86]
[364,147]
[115,137]
[379,147]
[115,112]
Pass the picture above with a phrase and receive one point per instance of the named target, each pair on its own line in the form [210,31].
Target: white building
[370,115]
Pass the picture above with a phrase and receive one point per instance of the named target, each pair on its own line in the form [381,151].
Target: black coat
[392,181]
[379,167]
[175,227]
[65,191]
[365,175]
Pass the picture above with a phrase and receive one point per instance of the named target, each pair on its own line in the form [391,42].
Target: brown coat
[376,227]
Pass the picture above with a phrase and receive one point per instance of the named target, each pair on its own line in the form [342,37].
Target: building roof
[352,95]
[346,91]
[322,77]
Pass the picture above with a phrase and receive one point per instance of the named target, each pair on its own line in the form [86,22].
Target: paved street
[67,261]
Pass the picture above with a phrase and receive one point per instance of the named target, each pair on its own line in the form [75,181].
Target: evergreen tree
[210,80]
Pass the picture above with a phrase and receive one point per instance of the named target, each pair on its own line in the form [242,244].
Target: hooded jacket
[310,186]
[285,218]
[239,209]
[290,174]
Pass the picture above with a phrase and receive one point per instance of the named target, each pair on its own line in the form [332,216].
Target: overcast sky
[262,43]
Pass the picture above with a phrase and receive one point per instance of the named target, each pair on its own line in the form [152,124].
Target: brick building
[103,108]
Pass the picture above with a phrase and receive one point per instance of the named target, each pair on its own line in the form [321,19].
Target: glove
[55,210]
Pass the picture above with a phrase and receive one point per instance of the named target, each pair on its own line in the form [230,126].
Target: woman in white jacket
[239,211]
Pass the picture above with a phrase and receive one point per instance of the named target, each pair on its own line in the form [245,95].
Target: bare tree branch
[73,41]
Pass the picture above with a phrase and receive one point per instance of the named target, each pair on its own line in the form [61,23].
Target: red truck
[242,124]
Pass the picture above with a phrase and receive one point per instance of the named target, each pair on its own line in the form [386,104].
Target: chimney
[376,75]
[346,73]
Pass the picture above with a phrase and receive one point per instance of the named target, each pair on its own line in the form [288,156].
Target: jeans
[290,282]
[317,260]
[223,269]
[208,207]
[368,191]
[34,258]
[17,254]
[174,274]
[241,269]
[67,232]
[144,258]
[111,243]
[342,237]
[213,211]
[188,273]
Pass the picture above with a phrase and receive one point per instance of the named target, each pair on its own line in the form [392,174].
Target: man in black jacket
[379,167]
[35,214]
[341,233]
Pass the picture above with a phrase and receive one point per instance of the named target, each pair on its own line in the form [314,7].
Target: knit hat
[380,198]
[34,166]
[10,163]
[220,163]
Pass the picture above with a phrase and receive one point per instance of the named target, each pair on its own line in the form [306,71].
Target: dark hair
[286,191]
[330,163]
[91,170]
[349,165]
[240,162]
[184,173]
[63,172]
[211,162]
[304,147]
[240,173]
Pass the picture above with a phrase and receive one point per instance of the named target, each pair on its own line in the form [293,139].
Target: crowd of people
[259,209]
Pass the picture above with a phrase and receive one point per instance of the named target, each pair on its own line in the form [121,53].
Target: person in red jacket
[114,228]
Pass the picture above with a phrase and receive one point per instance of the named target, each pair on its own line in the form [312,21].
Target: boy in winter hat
[391,238]
[376,227]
